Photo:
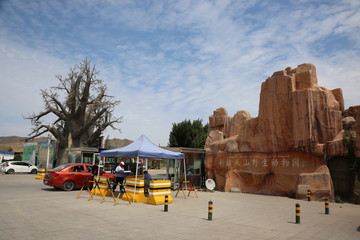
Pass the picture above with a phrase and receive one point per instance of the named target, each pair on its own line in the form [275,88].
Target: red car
[71,176]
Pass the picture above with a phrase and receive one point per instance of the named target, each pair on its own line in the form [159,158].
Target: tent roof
[142,147]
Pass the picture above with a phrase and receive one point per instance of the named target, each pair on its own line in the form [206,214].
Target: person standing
[94,173]
[147,179]
[119,176]
[95,169]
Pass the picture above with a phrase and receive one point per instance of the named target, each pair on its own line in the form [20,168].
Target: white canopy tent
[143,147]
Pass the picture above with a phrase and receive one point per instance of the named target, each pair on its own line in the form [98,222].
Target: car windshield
[61,167]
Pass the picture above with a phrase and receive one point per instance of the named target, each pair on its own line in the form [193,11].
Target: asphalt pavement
[31,210]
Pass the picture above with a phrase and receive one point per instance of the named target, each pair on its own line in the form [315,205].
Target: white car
[18,167]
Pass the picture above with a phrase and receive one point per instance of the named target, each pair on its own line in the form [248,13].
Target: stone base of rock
[286,173]
[319,183]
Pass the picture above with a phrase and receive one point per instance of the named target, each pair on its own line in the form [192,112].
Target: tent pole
[136,174]
[168,170]
[185,174]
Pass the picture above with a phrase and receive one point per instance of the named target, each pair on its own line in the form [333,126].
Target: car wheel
[68,186]
[34,171]
[10,171]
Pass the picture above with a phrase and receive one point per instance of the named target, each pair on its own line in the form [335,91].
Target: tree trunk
[62,156]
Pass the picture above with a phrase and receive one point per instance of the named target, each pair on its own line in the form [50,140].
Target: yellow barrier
[158,190]
[40,174]
[134,190]
[103,187]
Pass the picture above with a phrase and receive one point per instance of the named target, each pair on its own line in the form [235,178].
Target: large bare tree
[82,109]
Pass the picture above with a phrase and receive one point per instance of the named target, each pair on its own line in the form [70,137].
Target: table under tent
[143,148]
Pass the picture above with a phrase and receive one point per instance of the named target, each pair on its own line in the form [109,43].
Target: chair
[190,188]
[181,188]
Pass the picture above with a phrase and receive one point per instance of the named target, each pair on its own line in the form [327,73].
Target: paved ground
[30,210]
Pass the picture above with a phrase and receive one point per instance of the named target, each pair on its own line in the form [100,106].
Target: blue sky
[168,61]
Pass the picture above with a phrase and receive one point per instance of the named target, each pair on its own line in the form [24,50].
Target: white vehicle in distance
[18,167]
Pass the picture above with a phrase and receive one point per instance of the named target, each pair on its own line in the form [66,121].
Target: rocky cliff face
[299,123]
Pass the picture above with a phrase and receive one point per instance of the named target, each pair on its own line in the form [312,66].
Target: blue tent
[142,147]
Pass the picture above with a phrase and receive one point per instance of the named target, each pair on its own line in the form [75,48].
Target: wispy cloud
[173,60]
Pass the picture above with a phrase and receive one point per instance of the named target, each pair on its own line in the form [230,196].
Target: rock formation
[283,150]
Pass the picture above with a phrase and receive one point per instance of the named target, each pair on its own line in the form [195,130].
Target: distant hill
[16,143]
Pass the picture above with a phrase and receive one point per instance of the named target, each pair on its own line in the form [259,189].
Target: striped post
[210,210]
[166,203]
[327,206]
[309,195]
[297,213]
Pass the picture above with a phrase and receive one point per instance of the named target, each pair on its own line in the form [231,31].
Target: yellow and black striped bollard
[309,195]
[297,213]
[327,206]
[166,203]
[210,210]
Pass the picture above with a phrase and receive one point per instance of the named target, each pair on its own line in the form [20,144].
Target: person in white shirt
[119,176]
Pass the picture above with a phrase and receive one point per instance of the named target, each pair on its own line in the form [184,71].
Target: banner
[43,153]
[29,152]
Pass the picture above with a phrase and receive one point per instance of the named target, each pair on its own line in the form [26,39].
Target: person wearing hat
[119,176]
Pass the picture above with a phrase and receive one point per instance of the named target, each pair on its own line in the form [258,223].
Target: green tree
[349,140]
[82,110]
[188,134]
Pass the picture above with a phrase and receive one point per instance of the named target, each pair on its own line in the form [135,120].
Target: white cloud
[23,73]
[178,60]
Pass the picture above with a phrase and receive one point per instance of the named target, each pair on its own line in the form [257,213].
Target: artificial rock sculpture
[283,150]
